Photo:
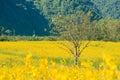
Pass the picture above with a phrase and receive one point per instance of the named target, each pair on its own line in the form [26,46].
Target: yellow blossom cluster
[52,71]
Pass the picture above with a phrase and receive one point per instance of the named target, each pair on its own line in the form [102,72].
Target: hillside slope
[109,8]
[22,17]
[26,17]
[51,8]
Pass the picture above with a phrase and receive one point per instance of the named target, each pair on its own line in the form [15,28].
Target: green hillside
[51,8]
[22,17]
[26,17]
[109,8]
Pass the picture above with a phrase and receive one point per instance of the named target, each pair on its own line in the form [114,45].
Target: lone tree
[75,28]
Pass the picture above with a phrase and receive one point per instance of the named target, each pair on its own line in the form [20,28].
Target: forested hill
[22,17]
[108,8]
[26,17]
[51,8]
[104,8]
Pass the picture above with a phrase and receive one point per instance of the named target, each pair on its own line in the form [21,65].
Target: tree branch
[86,45]
[68,47]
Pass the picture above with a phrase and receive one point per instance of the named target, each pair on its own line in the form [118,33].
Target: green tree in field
[75,28]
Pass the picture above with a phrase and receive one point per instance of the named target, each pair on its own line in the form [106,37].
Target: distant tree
[1,28]
[33,33]
[14,32]
[8,32]
[75,28]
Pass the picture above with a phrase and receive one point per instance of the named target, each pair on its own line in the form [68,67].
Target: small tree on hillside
[75,28]
[1,28]
[8,32]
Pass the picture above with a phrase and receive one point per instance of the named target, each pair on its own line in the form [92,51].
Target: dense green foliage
[108,8]
[104,8]
[108,29]
[51,8]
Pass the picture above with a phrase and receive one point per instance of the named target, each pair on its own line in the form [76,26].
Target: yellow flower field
[39,61]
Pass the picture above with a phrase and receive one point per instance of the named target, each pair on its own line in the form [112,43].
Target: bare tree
[75,28]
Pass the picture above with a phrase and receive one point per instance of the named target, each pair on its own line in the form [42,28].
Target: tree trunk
[76,60]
